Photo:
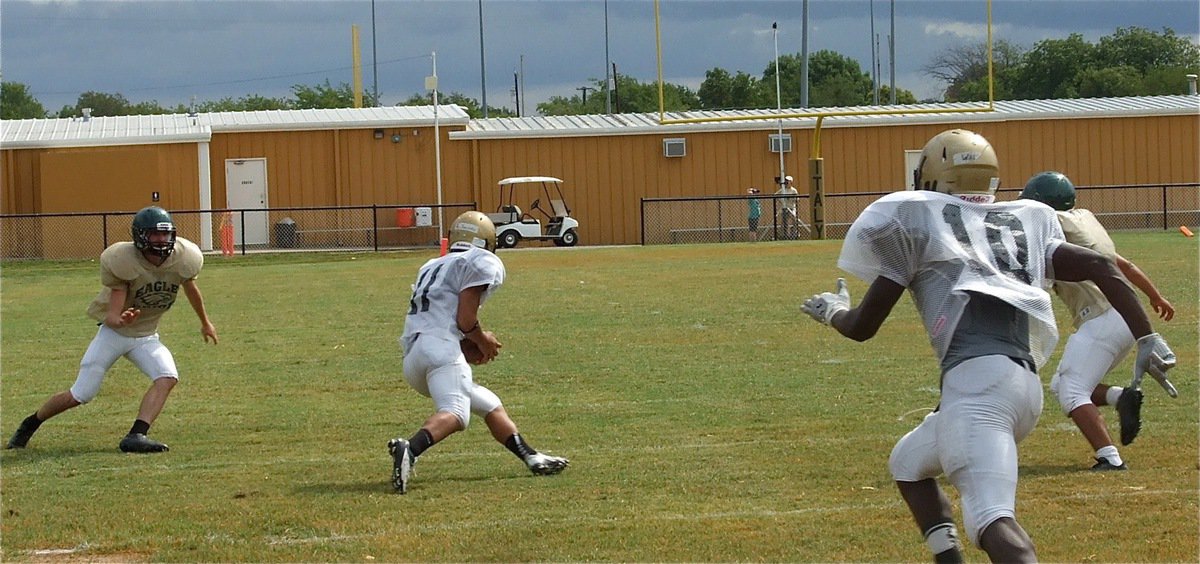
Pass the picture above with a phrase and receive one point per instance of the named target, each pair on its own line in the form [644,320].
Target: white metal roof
[183,128]
[99,131]
[647,123]
[340,118]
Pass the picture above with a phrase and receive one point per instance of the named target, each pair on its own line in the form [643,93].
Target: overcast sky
[172,50]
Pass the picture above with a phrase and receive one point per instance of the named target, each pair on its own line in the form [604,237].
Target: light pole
[374,60]
[431,83]
[482,64]
[778,98]
[607,85]
[585,89]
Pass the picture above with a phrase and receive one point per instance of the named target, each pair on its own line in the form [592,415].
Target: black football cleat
[139,443]
[20,438]
[1129,407]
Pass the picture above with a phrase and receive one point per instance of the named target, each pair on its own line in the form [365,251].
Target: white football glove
[1155,358]
[823,306]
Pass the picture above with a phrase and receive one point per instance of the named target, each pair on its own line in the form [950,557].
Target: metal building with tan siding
[386,156]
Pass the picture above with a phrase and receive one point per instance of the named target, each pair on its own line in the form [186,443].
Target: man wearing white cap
[787,212]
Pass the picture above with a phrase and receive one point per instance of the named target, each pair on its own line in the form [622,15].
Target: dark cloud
[170,51]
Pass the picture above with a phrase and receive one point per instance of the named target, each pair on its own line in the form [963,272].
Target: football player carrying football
[141,280]
[978,273]
[443,311]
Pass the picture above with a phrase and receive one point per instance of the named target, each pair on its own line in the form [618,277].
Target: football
[471,351]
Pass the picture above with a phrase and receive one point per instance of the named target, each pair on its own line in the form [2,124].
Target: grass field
[706,420]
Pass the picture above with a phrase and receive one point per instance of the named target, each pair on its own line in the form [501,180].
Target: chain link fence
[234,231]
[726,219]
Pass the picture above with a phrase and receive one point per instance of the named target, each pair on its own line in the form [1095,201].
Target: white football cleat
[545,465]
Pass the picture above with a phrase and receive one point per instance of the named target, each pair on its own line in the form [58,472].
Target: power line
[239,81]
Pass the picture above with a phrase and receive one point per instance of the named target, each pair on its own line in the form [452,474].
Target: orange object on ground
[445,246]
[1186,232]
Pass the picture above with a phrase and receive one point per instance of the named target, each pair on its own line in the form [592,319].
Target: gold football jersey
[1084,299]
[152,289]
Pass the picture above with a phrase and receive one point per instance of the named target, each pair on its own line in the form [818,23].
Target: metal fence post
[242,218]
[1164,207]
[104,230]
[375,226]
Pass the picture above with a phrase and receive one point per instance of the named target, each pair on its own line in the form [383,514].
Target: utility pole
[585,89]
[607,85]
[374,60]
[892,49]
[804,59]
[482,63]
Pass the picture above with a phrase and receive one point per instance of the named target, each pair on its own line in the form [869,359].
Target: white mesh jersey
[940,247]
[433,308]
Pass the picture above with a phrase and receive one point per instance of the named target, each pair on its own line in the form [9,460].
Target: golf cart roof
[525,179]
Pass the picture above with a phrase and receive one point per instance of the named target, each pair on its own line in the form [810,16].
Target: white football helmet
[959,162]
[473,229]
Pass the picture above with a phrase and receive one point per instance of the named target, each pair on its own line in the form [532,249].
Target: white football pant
[989,404]
[147,353]
[1090,353]
[436,368]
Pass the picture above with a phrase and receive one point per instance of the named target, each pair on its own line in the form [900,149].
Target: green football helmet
[1051,188]
[149,220]
[472,229]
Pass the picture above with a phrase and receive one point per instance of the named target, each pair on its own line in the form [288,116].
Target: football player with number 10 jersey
[978,273]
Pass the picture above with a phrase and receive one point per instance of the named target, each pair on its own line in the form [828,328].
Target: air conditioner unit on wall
[776,139]
[674,147]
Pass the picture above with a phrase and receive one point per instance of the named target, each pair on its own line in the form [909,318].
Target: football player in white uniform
[1102,339]
[141,281]
[977,272]
[443,312]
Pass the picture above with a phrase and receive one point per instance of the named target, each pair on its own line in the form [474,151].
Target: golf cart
[512,224]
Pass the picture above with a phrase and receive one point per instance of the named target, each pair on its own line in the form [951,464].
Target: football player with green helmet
[1101,338]
[141,280]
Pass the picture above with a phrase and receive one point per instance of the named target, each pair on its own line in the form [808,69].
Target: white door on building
[912,159]
[246,188]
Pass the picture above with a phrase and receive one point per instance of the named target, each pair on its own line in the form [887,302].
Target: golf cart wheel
[509,239]
[569,239]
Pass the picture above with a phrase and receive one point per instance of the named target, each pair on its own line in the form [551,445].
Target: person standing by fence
[787,209]
[755,211]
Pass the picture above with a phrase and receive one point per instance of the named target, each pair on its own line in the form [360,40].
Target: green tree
[964,70]
[1144,50]
[1051,69]
[248,103]
[1105,82]
[327,96]
[471,105]
[16,102]
[720,90]
[834,80]
[101,104]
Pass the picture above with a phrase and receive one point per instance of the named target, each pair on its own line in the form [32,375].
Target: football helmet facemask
[1051,188]
[961,163]
[472,229]
[149,220]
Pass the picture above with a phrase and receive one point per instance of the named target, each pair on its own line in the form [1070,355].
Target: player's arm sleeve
[115,272]
[878,245]
[192,261]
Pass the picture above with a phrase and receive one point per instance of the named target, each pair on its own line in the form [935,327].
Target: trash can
[404,217]
[285,233]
